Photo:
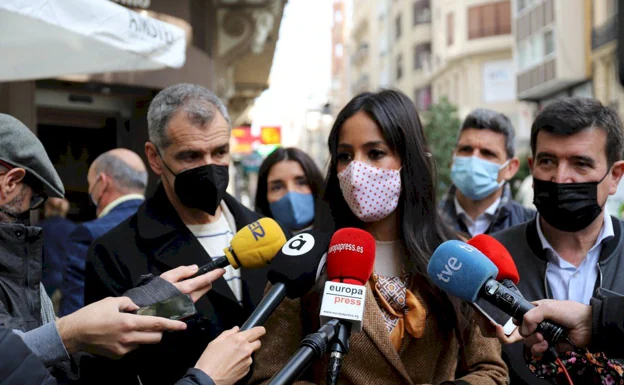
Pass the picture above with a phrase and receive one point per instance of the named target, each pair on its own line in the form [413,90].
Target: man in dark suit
[189,220]
[56,230]
[117,181]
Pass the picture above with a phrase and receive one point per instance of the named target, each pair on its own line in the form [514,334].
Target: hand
[490,330]
[103,328]
[227,358]
[197,287]
[575,317]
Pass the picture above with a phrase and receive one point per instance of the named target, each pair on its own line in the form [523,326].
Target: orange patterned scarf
[401,309]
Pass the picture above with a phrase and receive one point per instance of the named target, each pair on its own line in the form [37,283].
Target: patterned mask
[372,193]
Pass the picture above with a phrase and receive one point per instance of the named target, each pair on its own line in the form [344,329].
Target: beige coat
[372,359]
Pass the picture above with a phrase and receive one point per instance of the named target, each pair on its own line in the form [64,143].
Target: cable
[565,371]
[555,354]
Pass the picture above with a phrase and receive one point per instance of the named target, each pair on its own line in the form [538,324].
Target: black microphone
[312,347]
[293,273]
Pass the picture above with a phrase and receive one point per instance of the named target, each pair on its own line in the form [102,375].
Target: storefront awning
[50,38]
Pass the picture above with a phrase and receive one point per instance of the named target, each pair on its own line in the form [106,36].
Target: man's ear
[8,185]
[511,170]
[153,158]
[616,175]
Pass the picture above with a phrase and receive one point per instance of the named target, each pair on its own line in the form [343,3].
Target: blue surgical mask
[294,210]
[476,178]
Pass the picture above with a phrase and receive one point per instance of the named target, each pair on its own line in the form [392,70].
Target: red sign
[242,140]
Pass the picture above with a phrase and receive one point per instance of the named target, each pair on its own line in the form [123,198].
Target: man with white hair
[188,220]
[117,181]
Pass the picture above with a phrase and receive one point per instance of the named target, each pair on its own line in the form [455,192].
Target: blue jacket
[56,232]
[80,239]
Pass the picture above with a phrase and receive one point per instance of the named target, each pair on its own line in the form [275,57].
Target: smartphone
[178,308]
[496,316]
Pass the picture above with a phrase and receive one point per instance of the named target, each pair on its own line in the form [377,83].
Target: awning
[50,38]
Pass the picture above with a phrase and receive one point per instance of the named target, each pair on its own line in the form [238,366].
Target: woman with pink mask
[382,179]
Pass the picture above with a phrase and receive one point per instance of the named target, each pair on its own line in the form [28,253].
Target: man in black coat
[187,221]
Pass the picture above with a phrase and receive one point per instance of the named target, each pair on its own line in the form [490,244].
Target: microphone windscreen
[351,256]
[460,270]
[296,264]
[256,244]
[498,254]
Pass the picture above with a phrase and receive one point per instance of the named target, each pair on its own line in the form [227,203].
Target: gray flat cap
[19,147]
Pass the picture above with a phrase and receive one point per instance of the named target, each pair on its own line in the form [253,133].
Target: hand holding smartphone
[178,308]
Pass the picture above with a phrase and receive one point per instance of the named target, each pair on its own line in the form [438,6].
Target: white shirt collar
[489,212]
[119,201]
[605,234]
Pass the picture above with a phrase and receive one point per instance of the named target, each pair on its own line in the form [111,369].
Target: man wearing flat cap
[27,178]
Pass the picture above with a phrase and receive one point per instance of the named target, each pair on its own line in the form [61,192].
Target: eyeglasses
[38,198]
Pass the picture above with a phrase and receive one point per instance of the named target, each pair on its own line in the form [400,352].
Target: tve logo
[449,267]
[298,245]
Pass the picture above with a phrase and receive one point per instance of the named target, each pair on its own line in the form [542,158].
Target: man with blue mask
[480,201]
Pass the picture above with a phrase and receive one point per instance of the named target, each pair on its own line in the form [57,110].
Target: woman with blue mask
[288,185]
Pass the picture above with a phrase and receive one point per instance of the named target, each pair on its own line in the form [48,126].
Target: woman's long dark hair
[421,228]
[310,169]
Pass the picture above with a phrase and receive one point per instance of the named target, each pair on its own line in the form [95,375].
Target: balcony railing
[605,33]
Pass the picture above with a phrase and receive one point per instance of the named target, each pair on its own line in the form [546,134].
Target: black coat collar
[536,244]
[173,244]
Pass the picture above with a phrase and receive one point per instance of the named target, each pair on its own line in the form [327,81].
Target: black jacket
[608,325]
[20,276]
[525,247]
[155,240]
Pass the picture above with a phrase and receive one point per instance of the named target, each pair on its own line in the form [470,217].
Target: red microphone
[351,256]
[350,261]
[507,275]
[498,254]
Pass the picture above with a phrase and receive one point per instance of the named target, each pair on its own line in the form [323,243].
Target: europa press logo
[298,245]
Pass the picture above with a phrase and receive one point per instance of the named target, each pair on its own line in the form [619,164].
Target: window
[397,27]
[537,49]
[422,53]
[399,67]
[524,54]
[338,50]
[449,29]
[521,5]
[549,42]
[422,98]
[421,10]
[489,20]
[338,17]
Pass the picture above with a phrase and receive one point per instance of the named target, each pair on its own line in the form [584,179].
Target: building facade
[230,47]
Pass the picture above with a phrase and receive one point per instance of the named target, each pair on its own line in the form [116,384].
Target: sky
[301,72]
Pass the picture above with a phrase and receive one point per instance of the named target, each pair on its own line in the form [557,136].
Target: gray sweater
[45,340]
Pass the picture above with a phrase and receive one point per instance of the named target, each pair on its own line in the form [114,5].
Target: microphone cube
[344,302]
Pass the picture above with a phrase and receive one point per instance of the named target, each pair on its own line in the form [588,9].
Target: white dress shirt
[483,222]
[568,282]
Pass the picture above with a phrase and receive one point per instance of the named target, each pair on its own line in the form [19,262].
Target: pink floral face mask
[372,193]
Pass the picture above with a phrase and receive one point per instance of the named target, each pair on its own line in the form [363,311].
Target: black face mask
[201,187]
[567,207]
[23,218]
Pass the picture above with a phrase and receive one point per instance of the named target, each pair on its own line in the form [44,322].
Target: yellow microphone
[253,246]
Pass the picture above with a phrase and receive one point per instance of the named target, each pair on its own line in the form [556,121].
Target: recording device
[350,262]
[293,273]
[253,246]
[507,275]
[463,271]
[179,308]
